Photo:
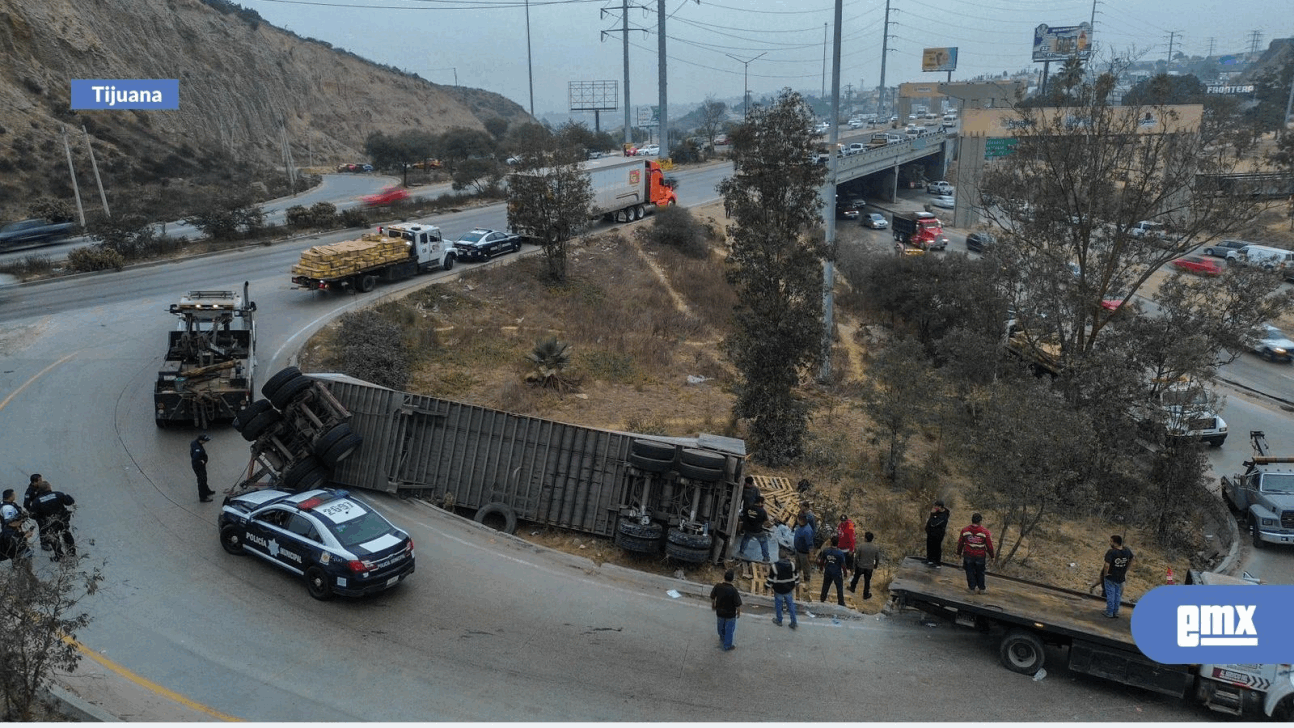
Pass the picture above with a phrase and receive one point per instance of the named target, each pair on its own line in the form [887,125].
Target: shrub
[52,210]
[354,218]
[373,349]
[297,216]
[675,227]
[95,257]
[323,214]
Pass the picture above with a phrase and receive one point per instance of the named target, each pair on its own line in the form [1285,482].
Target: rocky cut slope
[241,80]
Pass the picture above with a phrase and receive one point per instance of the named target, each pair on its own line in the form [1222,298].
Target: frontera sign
[143,94]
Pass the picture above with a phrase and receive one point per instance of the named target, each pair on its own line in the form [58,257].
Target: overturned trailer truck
[679,495]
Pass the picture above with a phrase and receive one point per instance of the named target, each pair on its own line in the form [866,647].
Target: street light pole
[530,66]
[745,91]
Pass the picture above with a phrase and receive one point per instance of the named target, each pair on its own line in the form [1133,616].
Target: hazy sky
[485,40]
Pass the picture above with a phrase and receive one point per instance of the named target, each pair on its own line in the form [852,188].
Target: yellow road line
[29,382]
[149,684]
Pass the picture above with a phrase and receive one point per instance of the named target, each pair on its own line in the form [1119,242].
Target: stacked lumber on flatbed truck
[350,257]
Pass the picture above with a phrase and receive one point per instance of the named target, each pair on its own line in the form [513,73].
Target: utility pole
[530,66]
[745,94]
[76,189]
[95,165]
[885,51]
[664,108]
[829,207]
[824,62]
[624,31]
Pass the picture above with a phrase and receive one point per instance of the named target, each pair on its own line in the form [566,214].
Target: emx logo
[1178,625]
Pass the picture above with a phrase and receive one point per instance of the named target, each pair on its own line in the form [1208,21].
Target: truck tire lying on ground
[278,380]
[336,445]
[650,465]
[654,450]
[498,510]
[1022,652]
[683,553]
[289,391]
[307,474]
[634,529]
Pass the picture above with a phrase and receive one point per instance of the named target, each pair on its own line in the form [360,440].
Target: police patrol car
[337,543]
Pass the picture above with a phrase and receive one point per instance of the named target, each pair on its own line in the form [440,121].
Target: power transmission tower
[1255,38]
[1212,45]
[624,30]
[1172,35]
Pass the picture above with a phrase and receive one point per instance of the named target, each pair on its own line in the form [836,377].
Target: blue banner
[130,93]
[1177,625]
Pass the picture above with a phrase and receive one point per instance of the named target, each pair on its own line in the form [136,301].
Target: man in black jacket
[936,529]
[782,578]
[28,500]
[198,456]
[52,505]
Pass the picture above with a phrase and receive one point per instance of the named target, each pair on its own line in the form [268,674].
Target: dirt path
[679,303]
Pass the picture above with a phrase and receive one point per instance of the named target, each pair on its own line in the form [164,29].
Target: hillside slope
[240,78]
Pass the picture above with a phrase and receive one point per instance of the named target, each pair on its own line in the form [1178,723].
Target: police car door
[267,537]
[303,545]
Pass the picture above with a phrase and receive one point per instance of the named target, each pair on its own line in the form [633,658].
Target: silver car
[875,221]
[1274,345]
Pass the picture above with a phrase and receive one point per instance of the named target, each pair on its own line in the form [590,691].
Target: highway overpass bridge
[875,173]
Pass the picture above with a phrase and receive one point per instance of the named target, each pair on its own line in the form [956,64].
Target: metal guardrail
[870,161]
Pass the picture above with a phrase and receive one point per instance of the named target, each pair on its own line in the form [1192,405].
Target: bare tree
[897,395]
[39,628]
[550,205]
[712,114]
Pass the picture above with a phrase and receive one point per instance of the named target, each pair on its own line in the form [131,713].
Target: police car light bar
[318,500]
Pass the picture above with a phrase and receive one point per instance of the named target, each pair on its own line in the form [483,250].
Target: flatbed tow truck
[1030,615]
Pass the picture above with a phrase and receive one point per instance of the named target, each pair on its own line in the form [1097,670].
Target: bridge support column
[970,169]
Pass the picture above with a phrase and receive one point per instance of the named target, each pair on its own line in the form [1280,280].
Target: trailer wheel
[498,510]
[260,424]
[690,540]
[685,554]
[650,465]
[703,459]
[366,283]
[633,529]
[449,263]
[250,412]
[336,445]
[288,392]
[1022,652]
[317,584]
[704,475]
[231,539]
[638,545]
[639,212]
[1255,533]
[278,380]
[652,449]
[307,474]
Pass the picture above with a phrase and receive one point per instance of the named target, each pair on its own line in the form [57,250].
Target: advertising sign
[1057,44]
[648,115]
[939,59]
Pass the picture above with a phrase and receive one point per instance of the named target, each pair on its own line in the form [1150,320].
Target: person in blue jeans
[725,600]
[753,520]
[832,561]
[782,579]
[1113,573]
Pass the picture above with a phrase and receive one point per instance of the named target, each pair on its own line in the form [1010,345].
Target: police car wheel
[1022,652]
[231,538]
[317,584]
[278,380]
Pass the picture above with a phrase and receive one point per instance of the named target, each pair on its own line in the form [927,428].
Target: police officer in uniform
[198,455]
[51,505]
[28,501]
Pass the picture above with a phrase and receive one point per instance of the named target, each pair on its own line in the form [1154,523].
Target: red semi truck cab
[659,193]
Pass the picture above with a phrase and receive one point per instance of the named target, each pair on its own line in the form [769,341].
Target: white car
[945,201]
[1273,344]
[939,188]
[651,150]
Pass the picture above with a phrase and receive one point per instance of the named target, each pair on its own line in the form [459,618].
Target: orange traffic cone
[1170,580]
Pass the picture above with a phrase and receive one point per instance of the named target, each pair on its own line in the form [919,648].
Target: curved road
[490,628]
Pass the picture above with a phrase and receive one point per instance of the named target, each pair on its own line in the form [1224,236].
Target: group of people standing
[43,511]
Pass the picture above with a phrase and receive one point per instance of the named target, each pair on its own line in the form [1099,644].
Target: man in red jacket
[847,540]
[974,544]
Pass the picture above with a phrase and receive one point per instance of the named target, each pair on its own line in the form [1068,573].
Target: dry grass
[633,347]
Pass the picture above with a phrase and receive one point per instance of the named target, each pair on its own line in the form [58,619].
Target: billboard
[939,59]
[594,95]
[1057,44]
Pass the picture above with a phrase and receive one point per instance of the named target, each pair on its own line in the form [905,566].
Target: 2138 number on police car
[339,545]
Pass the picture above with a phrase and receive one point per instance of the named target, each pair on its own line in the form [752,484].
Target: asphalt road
[488,628]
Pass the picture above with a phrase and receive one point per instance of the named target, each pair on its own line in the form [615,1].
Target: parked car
[1199,265]
[1147,229]
[1222,248]
[875,221]
[482,244]
[650,150]
[1266,257]
[387,196]
[939,188]
[979,241]
[944,201]
[1274,345]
